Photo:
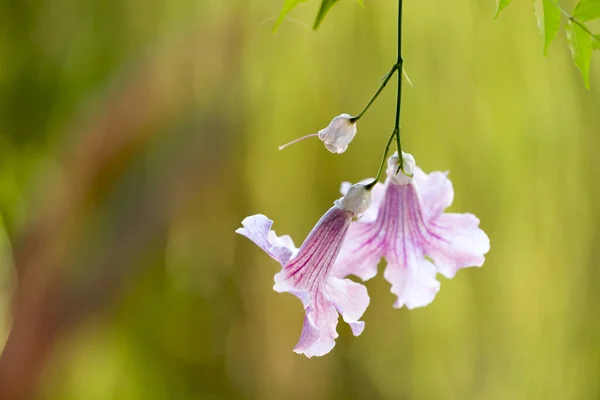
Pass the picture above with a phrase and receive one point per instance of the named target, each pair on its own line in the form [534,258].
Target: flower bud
[405,175]
[338,134]
[356,200]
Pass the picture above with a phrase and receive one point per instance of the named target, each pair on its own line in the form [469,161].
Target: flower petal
[458,243]
[319,329]
[413,282]
[336,149]
[361,252]
[309,277]
[351,300]
[258,229]
[283,285]
[436,191]
[411,275]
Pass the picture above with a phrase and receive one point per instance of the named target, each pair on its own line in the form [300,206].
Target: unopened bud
[402,176]
[356,200]
[338,134]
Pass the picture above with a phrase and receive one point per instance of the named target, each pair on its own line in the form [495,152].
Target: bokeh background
[136,135]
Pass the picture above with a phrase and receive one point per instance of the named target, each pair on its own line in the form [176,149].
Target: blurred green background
[136,135]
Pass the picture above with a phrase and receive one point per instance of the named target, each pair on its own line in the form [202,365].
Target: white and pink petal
[308,275]
[456,242]
[361,252]
[319,329]
[435,190]
[258,229]
[350,300]
[413,282]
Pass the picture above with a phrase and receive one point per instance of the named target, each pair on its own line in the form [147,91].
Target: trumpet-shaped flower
[336,136]
[307,272]
[407,225]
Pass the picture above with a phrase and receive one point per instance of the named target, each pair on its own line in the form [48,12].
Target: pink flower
[307,273]
[407,225]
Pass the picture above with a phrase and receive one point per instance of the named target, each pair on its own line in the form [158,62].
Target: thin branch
[386,79]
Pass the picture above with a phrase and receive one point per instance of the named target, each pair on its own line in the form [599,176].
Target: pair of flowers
[402,220]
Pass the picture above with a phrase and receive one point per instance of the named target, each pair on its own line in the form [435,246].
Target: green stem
[396,132]
[387,148]
[399,66]
[386,79]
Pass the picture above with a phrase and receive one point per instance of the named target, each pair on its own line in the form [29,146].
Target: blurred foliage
[324,8]
[196,95]
[548,16]
[581,40]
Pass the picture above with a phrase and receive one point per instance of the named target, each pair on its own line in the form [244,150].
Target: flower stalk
[386,79]
[399,66]
[385,153]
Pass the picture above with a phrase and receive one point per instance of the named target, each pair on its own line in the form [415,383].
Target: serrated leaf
[287,7]
[587,10]
[548,21]
[580,43]
[325,7]
[501,5]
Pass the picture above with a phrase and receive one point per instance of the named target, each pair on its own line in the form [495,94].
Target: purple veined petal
[319,328]
[452,241]
[361,252]
[435,189]
[413,282]
[411,275]
[258,229]
[284,285]
[351,301]
[458,243]
[307,272]
[366,241]
[414,235]
[342,296]
[309,277]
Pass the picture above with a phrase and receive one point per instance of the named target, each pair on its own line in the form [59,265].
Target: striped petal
[308,276]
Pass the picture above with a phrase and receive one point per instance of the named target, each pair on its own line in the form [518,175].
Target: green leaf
[501,5]
[548,20]
[596,44]
[587,10]
[325,6]
[287,7]
[580,43]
